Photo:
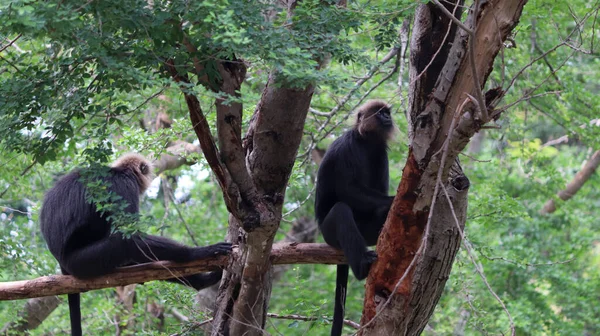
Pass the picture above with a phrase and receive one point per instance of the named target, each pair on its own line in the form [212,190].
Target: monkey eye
[144,168]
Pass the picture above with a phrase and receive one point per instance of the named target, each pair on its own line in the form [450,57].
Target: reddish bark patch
[396,254]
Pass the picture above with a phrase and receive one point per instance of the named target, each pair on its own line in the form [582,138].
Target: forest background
[83,82]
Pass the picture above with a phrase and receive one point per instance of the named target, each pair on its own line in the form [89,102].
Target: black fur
[81,239]
[351,198]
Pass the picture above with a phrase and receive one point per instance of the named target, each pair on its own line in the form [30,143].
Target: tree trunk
[270,154]
[421,236]
[36,310]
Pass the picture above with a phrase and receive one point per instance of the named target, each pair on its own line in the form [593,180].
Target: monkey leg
[152,248]
[105,255]
[340,230]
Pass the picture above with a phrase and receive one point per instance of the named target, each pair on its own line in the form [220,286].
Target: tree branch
[207,143]
[349,323]
[283,253]
[573,187]
[175,156]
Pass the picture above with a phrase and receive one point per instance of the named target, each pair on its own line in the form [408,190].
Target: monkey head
[374,120]
[141,167]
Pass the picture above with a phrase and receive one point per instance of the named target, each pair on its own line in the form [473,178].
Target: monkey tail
[75,314]
[341,284]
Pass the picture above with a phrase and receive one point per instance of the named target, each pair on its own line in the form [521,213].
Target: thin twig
[527,264]
[349,323]
[452,17]
[528,65]
[10,43]
[169,191]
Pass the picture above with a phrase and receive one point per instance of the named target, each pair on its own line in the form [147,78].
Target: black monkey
[81,238]
[352,199]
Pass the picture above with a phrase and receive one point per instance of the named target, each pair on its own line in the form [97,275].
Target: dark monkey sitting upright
[81,238]
[352,199]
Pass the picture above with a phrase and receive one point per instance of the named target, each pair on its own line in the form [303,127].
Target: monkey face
[384,117]
[374,120]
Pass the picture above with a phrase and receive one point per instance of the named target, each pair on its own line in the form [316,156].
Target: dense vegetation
[83,82]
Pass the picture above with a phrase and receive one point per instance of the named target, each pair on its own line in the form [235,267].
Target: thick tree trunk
[271,146]
[421,236]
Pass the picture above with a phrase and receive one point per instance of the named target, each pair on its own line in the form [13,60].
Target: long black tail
[341,284]
[75,314]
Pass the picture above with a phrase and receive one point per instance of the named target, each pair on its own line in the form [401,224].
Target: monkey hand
[212,250]
[221,248]
[365,264]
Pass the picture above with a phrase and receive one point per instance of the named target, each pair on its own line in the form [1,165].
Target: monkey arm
[362,198]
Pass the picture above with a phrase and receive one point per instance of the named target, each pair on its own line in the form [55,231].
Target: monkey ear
[359,116]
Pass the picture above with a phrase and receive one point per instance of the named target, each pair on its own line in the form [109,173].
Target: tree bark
[304,230]
[420,238]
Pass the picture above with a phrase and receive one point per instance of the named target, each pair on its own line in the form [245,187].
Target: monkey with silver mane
[82,239]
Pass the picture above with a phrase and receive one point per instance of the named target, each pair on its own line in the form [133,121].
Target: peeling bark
[442,120]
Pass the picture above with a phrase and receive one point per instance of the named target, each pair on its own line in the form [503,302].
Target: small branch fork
[282,253]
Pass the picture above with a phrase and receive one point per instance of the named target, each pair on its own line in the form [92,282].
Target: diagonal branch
[204,135]
[229,131]
[573,187]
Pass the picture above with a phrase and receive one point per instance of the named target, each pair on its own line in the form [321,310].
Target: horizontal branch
[283,253]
